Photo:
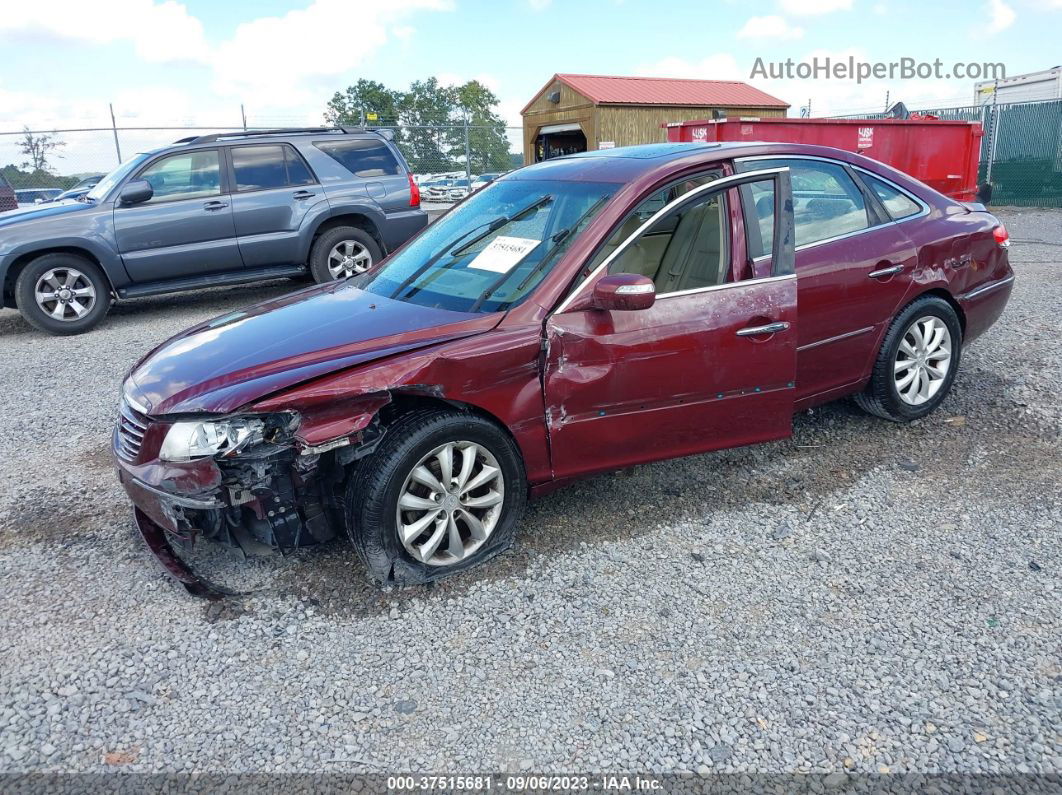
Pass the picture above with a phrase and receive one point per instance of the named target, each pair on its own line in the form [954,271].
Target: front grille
[131,428]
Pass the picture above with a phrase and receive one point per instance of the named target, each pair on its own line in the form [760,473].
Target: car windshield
[493,249]
[104,186]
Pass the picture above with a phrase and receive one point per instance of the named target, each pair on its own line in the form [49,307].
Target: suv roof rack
[205,139]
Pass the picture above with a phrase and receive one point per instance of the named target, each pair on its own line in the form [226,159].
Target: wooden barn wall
[627,125]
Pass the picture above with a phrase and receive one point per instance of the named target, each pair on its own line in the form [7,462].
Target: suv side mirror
[624,291]
[136,192]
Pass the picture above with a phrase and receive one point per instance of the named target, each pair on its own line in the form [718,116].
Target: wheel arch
[404,401]
[361,220]
[19,263]
[941,292]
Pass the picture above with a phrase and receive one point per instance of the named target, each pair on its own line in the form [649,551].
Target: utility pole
[114,128]
[468,152]
[886,101]
[244,117]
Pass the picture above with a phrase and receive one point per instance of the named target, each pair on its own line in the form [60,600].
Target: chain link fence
[34,159]
[1021,151]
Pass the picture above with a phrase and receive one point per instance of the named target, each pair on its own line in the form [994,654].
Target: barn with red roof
[575,113]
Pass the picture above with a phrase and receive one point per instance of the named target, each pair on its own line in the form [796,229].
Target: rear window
[362,157]
[269,166]
[898,204]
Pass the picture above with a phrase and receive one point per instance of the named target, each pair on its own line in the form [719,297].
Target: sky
[164,62]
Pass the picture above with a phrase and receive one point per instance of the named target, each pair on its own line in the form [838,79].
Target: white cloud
[772,27]
[403,32]
[257,64]
[159,32]
[539,5]
[1000,16]
[720,66]
[814,7]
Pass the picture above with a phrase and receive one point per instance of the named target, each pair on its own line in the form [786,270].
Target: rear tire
[917,363]
[343,252]
[484,518]
[62,294]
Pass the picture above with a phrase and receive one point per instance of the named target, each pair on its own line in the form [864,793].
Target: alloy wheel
[348,258]
[450,503]
[65,294]
[923,360]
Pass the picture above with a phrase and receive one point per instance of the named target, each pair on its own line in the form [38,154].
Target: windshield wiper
[492,226]
[556,239]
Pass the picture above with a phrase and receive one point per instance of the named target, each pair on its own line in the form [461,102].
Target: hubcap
[348,258]
[65,294]
[922,360]
[450,503]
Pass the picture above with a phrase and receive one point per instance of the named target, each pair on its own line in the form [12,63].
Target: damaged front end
[260,483]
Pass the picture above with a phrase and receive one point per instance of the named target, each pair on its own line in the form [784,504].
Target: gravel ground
[864,596]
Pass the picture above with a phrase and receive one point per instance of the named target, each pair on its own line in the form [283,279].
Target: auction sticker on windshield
[503,254]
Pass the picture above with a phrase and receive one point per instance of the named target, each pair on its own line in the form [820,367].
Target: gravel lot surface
[864,596]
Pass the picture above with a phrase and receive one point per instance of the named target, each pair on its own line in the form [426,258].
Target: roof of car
[629,163]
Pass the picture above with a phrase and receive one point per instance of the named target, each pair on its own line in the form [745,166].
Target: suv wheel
[917,363]
[62,294]
[444,491]
[343,252]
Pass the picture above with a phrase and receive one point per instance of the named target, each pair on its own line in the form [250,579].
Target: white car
[459,190]
[483,180]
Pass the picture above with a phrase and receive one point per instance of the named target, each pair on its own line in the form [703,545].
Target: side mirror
[624,291]
[136,192]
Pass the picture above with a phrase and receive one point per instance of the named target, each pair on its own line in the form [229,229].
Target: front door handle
[885,271]
[770,328]
[303,194]
[215,205]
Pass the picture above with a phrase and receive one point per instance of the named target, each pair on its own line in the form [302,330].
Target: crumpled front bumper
[153,512]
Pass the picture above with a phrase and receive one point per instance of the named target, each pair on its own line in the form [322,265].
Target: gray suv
[206,211]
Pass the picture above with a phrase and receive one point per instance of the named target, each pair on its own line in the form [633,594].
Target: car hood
[41,211]
[232,360]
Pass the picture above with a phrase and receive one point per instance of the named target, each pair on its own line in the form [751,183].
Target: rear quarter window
[362,157]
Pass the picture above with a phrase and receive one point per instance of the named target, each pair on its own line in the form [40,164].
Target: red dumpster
[942,154]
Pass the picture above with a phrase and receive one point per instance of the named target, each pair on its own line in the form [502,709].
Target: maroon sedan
[577,316]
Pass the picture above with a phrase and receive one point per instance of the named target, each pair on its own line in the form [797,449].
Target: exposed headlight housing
[189,440]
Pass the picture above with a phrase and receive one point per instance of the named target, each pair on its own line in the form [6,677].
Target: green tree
[488,143]
[424,112]
[368,96]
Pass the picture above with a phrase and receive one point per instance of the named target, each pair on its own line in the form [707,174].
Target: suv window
[362,157]
[268,166]
[897,203]
[826,202]
[188,175]
[685,250]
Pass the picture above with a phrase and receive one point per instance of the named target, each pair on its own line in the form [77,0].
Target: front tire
[62,294]
[443,492]
[343,252]
[917,363]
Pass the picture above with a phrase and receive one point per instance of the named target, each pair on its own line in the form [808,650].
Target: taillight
[414,191]
[1002,237]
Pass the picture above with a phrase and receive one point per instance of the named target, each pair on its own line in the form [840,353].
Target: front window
[105,185]
[491,251]
[189,175]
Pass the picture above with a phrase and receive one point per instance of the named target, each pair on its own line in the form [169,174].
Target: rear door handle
[215,205]
[885,271]
[303,194]
[770,328]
